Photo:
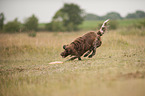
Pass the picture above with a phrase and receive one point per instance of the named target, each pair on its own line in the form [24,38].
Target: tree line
[30,24]
[66,18]
[116,16]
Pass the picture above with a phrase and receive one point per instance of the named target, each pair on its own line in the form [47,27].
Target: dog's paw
[79,58]
[85,55]
[90,56]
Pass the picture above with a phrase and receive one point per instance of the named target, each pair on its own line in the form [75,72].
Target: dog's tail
[103,27]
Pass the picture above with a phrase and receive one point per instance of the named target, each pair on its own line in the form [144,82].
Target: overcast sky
[45,9]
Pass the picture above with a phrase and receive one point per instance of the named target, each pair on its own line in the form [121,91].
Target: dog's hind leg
[94,49]
[93,53]
[79,58]
[87,53]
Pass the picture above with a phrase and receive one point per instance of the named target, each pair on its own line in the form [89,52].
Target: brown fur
[88,42]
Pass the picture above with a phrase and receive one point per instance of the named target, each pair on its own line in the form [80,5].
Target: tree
[68,17]
[12,26]
[74,14]
[112,16]
[2,18]
[140,14]
[31,23]
[137,14]
[92,17]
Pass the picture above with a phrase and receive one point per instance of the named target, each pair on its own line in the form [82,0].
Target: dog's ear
[64,46]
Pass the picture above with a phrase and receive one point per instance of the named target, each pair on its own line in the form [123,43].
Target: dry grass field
[117,69]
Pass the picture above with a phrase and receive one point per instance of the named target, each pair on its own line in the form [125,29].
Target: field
[92,25]
[117,69]
[87,25]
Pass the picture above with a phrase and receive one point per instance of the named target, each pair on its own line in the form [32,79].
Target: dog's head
[67,51]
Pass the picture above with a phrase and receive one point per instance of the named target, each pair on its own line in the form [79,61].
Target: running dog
[85,44]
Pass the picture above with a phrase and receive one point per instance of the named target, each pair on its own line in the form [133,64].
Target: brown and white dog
[87,43]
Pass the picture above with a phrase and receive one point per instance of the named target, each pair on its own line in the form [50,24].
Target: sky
[44,10]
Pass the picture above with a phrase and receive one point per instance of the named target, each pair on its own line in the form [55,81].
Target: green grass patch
[93,25]
[90,25]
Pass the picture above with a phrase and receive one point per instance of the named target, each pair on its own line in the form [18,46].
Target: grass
[86,25]
[92,25]
[117,69]
[129,22]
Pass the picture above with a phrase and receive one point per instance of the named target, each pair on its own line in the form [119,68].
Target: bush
[142,23]
[59,26]
[71,27]
[2,18]
[55,26]
[32,34]
[67,18]
[31,23]
[139,25]
[113,24]
[48,26]
[13,26]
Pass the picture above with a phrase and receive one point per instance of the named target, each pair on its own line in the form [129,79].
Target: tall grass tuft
[32,34]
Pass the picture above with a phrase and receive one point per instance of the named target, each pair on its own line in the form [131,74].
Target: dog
[85,44]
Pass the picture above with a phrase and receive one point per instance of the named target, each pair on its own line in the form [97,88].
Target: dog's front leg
[79,58]
[72,58]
